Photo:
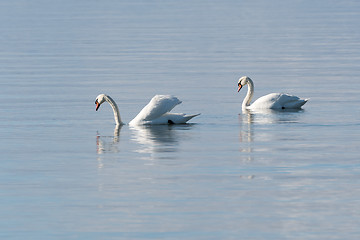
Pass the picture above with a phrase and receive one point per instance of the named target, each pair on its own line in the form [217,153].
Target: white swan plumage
[157,111]
[270,101]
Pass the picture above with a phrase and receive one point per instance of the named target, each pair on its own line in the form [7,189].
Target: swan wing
[267,101]
[287,101]
[278,101]
[158,106]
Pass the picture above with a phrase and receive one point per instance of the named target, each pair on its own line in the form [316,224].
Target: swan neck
[249,95]
[115,110]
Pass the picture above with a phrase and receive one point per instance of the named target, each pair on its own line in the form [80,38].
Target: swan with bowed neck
[270,101]
[157,111]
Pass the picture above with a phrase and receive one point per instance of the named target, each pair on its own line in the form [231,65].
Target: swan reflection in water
[252,136]
[108,143]
[269,116]
[249,119]
[150,138]
[246,134]
[156,139]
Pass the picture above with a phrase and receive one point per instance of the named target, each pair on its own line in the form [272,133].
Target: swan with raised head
[270,101]
[157,111]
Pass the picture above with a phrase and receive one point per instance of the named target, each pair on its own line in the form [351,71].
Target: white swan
[270,101]
[155,112]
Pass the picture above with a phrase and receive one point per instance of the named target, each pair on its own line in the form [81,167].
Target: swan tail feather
[179,118]
[296,104]
[188,117]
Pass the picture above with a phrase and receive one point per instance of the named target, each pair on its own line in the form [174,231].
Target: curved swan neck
[115,110]
[249,95]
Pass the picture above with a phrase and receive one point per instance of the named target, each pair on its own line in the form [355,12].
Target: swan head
[99,100]
[243,81]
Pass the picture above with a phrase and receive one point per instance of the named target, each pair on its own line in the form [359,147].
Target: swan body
[270,101]
[157,111]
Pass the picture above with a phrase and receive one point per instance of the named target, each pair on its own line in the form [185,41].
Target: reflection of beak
[240,86]
[97,105]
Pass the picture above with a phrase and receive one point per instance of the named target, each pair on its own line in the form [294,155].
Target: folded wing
[158,106]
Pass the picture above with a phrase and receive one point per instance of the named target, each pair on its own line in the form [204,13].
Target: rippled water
[68,173]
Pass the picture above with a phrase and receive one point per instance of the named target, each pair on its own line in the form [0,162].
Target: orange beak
[97,105]
[240,86]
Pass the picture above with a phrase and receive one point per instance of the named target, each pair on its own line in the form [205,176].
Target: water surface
[68,173]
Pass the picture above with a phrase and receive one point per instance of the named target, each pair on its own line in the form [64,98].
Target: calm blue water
[228,175]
